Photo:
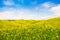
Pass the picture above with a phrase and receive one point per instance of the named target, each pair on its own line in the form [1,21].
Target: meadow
[30,29]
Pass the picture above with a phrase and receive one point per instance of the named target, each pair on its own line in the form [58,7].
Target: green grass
[36,30]
[30,34]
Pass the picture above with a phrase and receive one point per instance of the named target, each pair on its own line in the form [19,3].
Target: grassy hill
[30,29]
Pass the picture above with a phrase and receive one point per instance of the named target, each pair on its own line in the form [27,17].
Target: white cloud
[17,14]
[56,10]
[52,8]
[48,10]
[8,3]
[7,15]
[44,11]
[47,5]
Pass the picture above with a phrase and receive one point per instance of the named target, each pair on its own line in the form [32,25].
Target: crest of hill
[30,21]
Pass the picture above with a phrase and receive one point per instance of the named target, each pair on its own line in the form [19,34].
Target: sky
[29,9]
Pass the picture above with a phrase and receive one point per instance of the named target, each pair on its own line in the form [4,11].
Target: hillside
[30,29]
[24,23]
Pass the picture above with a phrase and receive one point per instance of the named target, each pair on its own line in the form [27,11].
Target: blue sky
[29,9]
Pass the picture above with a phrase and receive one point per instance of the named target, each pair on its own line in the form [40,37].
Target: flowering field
[30,29]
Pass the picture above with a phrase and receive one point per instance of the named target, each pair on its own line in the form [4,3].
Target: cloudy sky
[29,9]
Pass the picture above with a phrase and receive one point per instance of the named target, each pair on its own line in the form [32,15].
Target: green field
[30,29]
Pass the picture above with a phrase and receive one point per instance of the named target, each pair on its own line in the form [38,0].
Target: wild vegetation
[30,29]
